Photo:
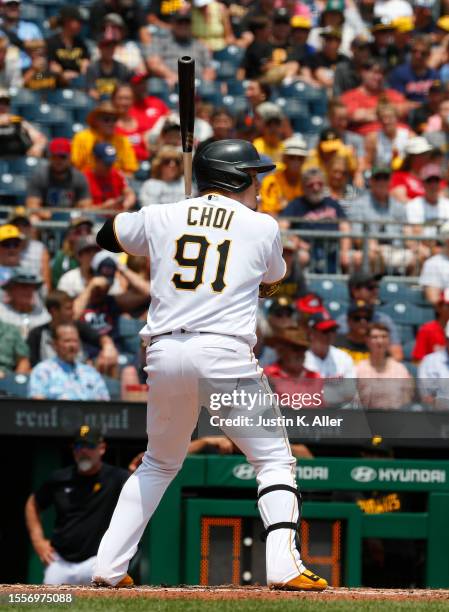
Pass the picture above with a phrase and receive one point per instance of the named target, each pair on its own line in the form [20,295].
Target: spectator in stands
[102,121]
[84,496]
[40,339]
[211,24]
[330,146]
[280,315]
[62,377]
[430,336]
[339,181]
[146,109]
[348,74]
[385,216]
[435,272]
[126,52]
[284,185]
[17,136]
[34,256]
[166,184]
[420,117]
[18,30]
[105,73]
[127,124]
[161,13]
[107,185]
[406,183]
[258,58]
[39,76]
[433,376]
[433,206]
[353,342]
[300,30]
[322,357]
[11,246]
[67,52]
[65,259]
[58,184]
[75,280]
[362,101]
[222,123]
[377,376]
[414,78]
[130,11]
[270,141]
[293,285]
[10,72]
[320,212]
[14,356]
[162,57]
[338,121]
[437,130]
[364,286]
[383,46]
[166,132]
[320,67]
[20,306]
[388,144]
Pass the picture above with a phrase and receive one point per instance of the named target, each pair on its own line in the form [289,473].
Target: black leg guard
[284,525]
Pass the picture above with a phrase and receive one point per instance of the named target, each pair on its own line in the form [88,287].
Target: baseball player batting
[211,257]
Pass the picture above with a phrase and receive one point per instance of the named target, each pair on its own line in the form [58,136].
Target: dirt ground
[231,592]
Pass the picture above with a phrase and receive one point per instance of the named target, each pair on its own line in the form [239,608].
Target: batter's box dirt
[230,592]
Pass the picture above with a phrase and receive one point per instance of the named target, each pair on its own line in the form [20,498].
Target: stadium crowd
[349,98]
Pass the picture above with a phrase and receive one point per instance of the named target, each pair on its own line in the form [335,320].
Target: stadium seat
[210,91]
[23,165]
[128,335]
[394,292]
[143,173]
[329,289]
[159,88]
[406,313]
[408,348]
[113,386]
[232,54]
[49,114]
[406,333]
[12,188]
[236,87]
[24,99]
[67,130]
[225,70]
[335,307]
[30,12]
[235,104]
[14,385]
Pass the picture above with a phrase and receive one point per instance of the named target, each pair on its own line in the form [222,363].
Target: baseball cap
[201,3]
[424,3]
[269,111]
[361,279]
[331,32]
[336,6]
[139,77]
[417,145]
[88,435]
[437,86]
[443,23]
[10,232]
[180,16]
[21,276]
[404,24]
[103,264]
[295,145]
[84,243]
[360,41]
[309,304]
[358,306]
[115,19]
[281,16]
[329,141]
[4,94]
[281,304]
[19,213]
[444,231]
[77,220]
[105,152]
[430,171]
[70,12]
[380,171]
[301,22]
[294,336]
[382,23]
[60,146]
[322,321]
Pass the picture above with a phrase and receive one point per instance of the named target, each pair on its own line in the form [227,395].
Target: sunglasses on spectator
[108,118]
[10,244]
[381,177]
[359,318]
[432,179]
[166,162]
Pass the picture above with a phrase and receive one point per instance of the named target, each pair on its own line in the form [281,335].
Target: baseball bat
[186,87]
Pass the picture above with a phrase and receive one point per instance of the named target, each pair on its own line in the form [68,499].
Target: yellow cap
[443,23]
[8,232]
[299,21]
[404,24]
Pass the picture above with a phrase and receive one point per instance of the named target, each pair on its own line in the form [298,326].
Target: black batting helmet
[224,164]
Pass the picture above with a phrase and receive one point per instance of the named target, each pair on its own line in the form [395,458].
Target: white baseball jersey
[208,256]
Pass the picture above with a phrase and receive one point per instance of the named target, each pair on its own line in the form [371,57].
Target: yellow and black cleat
[307,581]
[125,583]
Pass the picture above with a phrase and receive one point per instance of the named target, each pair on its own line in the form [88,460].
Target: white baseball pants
[60,571]
[175,364]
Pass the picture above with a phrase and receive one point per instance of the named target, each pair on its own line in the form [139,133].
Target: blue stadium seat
[23,165]
[24,99]
[329,289]
[393,292]
[66,130]
[225,70]
[235,104]
[297,112]
[231,53]
[143,173]
[30,12]
[412,369]
[14,385]
[236,87]
[408,348]
[158,88]
[70,98]
[12,188]
[335,307]
[406,313]
[210,91]
[113,386]
[49,114]
[128,335]
[406,333]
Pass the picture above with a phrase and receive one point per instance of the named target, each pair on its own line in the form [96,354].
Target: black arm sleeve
[106,238]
